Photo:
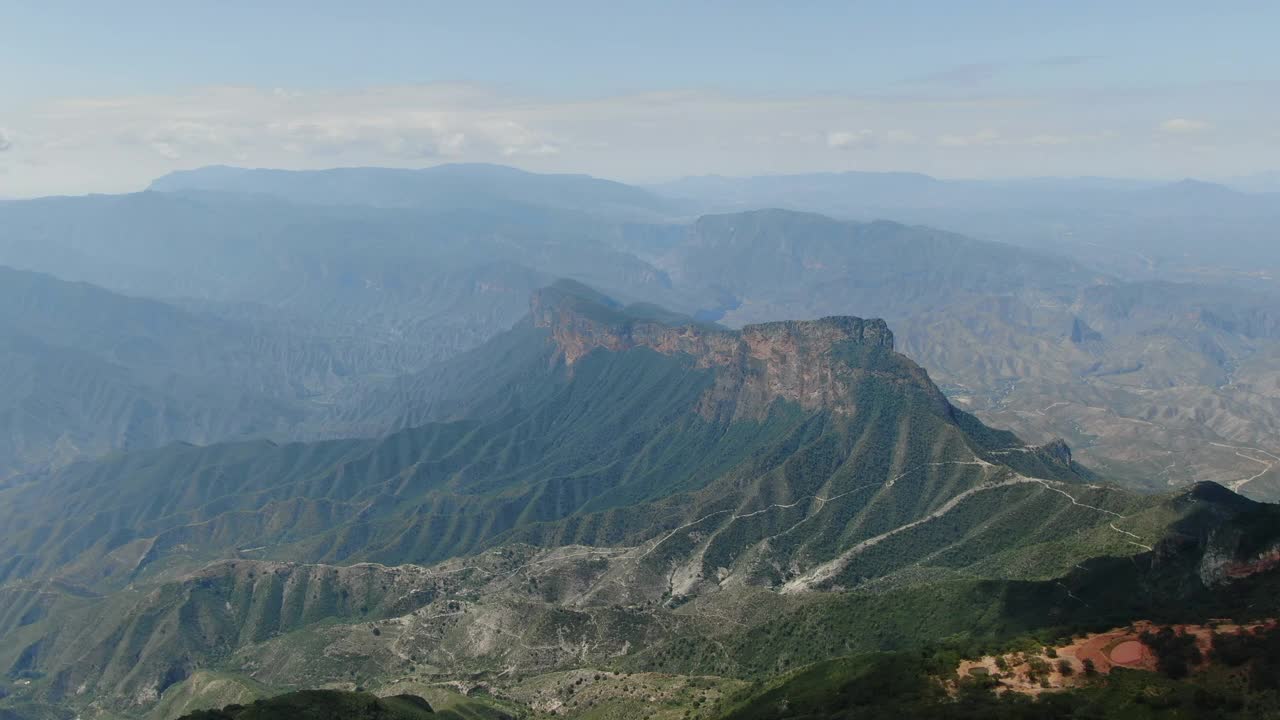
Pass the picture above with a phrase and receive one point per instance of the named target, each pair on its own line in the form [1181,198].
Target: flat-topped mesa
[806,361]
[823,333]
[813,363]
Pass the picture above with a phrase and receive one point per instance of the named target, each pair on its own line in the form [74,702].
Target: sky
[104,97]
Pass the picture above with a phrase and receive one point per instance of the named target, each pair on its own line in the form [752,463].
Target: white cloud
[870,138]
[1184,125]
[5,142]
[118,144]
[850,139]
[389,124]
[515,139]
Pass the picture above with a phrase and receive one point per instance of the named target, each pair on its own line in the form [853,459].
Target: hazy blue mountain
[398,290]
[91,371]
[1267,182]
[1138,229]
[887,268]
[1153,381]
[443,187]
[432,283]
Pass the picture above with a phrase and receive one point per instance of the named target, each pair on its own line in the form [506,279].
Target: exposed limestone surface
[813,363]
[1232,534]
[1221,563]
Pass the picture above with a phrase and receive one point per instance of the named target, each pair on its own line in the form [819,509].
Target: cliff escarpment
[816,364]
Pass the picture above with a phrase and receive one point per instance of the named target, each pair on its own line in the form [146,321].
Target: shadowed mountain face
[324,705]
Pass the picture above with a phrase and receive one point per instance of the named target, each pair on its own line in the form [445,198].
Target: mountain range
[449,187]
[624,479]
[1139,230]
[474,442]
[1158,383]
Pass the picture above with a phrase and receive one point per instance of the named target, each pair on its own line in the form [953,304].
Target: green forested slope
[633,491]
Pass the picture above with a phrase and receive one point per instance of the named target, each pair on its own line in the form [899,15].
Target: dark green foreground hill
[323,705]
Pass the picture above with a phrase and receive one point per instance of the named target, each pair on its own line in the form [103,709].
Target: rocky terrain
[392,456]
[805,362]
[592,518]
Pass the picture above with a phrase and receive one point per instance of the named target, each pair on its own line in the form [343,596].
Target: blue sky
[99,96]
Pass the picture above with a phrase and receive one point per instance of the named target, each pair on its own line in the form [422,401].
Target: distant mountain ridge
[903,190]
[90,371]
[1135,229]
[994,324]
[449,186]
[399,292]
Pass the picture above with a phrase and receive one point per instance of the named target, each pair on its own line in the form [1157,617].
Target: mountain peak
[1215,494]
[814,363]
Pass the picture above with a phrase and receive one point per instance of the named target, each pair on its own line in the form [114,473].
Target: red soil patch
[1100,650]
[1122,647]
[1129,652]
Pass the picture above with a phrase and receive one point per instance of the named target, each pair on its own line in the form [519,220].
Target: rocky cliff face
[814,363]
[1225,560]
[1220,564]
[1232,536]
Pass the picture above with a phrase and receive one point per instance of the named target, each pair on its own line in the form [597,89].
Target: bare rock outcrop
[815,363]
